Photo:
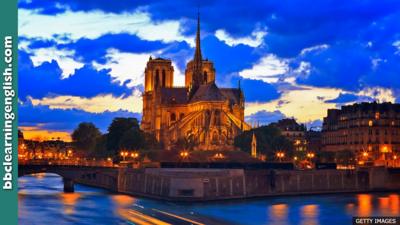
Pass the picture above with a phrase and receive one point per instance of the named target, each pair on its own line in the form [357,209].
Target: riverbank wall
[186,184]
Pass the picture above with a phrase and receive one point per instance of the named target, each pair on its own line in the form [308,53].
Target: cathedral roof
[233,94]
[174,95]
[208,92]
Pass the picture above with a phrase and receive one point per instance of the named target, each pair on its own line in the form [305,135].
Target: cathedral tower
[199,71]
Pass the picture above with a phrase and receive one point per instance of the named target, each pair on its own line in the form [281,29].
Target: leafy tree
[269,141]
[132,139]
[101,147]
[120,131]
[85,136]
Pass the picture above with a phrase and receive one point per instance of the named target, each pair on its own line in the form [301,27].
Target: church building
[199,113]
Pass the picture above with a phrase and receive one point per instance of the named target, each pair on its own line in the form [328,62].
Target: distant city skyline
[81,61]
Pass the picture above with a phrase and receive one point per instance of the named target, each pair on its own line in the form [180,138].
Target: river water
[42,202]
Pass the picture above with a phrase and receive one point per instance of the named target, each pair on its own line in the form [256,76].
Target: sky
[84,60]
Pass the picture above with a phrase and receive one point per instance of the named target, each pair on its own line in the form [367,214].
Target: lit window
[377,115]
[370,123]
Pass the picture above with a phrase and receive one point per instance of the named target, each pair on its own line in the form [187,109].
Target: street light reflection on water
[41,201]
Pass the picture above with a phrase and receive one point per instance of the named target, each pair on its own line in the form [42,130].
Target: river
[42,202]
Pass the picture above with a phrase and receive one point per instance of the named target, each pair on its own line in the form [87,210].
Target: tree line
[122,134]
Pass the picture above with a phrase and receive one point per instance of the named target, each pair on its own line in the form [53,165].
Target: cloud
[64,59]
[46,80]
[39,134]
[267,69]
[259,91]
[314,48]
[264,117]
[254,40]
[343,98]
[43,118]
[305,103]
[379,94]
[97,104]
[125,66]
[93,24]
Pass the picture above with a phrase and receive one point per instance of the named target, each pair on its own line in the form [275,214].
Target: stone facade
[370,130]
[199,113]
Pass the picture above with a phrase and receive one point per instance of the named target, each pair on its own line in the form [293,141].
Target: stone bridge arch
[103,177]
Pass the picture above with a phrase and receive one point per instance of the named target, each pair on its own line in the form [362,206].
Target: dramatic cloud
[97,104]
[267,69]
[264,117]
[294,58]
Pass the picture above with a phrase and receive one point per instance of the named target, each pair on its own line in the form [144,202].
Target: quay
[205,184]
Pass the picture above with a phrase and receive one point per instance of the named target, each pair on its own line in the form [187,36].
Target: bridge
[94,173]
[202,184]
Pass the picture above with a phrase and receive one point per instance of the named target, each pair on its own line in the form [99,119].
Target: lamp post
[134,155]
[184,154]
[280,155]
[310,155]
[124,154]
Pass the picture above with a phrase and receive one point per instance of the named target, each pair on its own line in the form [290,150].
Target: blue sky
[84,60]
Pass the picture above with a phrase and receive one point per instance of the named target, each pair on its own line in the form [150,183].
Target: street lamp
[280,155]
[124,154]
[184,154]
[310,155]
[365,154]
[134,155]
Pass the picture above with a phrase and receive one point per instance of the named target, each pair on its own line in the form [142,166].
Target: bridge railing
[69,162]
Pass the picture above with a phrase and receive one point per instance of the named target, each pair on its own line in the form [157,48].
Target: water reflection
[394,204]
[364,205]
[42,201]
[69,201]
[278,213]
[309,214]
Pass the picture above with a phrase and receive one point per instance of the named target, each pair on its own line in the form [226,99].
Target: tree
[269,141]
[85,136]
[120,131]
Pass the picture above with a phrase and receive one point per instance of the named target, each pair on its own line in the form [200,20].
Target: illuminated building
[200,112]
[294,132]
[372,128]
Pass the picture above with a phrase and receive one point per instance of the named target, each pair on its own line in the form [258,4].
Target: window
[377,115]
[370,123]
[157,79]
[181,115]
[173,117]
[205,77]
[163,78]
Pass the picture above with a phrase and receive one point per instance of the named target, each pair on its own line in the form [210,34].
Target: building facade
[370,130]
[201,113]
[294,132]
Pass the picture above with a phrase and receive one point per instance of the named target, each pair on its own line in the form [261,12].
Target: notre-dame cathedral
[200,112]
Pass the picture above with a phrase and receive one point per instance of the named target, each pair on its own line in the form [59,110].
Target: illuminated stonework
[200,113]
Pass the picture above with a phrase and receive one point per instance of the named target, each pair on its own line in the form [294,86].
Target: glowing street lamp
[365,154]
[184,154]
[280,155]
[124,154]
[310,155]
[134,155]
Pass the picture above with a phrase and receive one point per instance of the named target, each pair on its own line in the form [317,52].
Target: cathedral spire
[197,61]
[197,53]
